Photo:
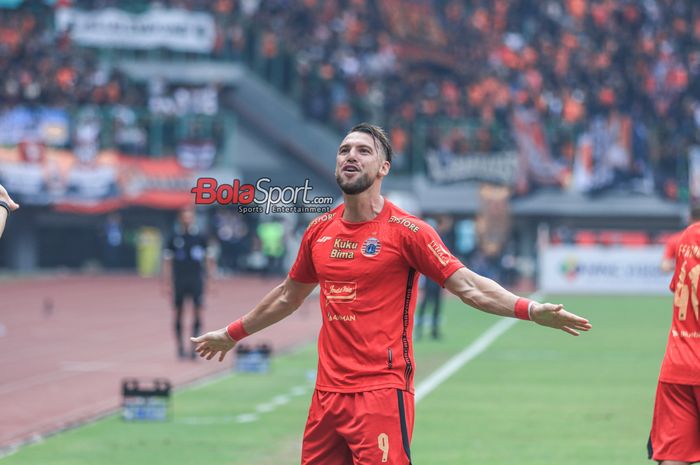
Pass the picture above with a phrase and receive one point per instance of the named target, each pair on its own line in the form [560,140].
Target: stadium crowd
[611,86]
[612,83]
[42,68]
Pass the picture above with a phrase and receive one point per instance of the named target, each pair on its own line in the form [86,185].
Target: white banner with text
[175,29]
[569,269]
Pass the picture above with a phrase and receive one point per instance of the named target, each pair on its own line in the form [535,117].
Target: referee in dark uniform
[187,259]
[433,291]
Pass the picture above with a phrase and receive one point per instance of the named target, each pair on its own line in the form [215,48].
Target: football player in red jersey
[675,429]
[366,255]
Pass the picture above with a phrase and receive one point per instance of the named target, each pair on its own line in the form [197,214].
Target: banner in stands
[181,101]
[49,126]
[418,35]
[110,182]
[175,29]
[603,153]
[536,164]
[499,168]
[602,270]
[196,154]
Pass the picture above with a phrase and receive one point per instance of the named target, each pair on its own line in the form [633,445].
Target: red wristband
[522,308]
[236,331]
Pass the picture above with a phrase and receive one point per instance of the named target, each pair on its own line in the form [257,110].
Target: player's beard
[358,186]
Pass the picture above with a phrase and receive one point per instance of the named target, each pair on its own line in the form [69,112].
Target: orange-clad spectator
[113,92]
[10,39]
[577,8]
[480,19]
[223,7]
[606,96]
[600,13]
[500,15]
[65,78]
[269,45]
[342,114]
[573,110]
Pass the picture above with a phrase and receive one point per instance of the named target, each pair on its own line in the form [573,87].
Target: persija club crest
[371,247]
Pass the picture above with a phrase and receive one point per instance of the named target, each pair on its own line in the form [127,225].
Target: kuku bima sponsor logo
[344,249]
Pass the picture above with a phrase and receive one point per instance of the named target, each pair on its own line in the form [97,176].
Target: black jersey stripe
[406,319]
[404,426]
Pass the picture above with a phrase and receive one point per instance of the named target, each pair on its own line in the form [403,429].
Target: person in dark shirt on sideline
[187,260]
[433,291]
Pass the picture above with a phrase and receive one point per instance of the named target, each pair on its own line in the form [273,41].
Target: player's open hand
[212,343]
[4,196]
[554,316]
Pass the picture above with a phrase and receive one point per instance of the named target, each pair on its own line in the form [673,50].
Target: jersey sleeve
[425,251]
[687,236]
[303,270]
[674,280]
[670,249]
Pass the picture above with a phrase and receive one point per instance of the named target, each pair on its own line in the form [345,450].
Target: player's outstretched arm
[279,303]
[488,296]
[6,207]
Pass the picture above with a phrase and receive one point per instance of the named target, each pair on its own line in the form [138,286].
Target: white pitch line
[298,391]
[450,367]
[266,407]
[207,420]
[469,353]
[280,400]
[246,418]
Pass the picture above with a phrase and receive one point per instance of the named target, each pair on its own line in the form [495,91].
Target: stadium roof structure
[613,204]
[182,72]
[463,198]
[278,121]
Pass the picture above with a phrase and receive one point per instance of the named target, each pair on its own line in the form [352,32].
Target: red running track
[67,342]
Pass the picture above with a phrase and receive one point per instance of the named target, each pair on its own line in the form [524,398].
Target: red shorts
[675,428]
[362,428]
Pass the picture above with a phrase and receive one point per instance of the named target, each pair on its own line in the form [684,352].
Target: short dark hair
[378,135]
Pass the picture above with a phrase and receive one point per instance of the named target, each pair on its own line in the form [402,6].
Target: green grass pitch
[535,396]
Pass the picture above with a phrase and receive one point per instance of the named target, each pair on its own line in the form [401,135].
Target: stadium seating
[614,102]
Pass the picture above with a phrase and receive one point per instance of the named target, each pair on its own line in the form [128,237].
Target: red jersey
[368,273]
[672,246]
[681,363]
